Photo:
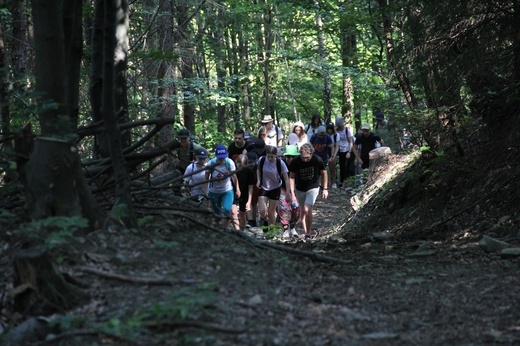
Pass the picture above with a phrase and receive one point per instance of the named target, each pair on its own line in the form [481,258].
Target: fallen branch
[266,244]
[133,279]
[86,332]
[192,324]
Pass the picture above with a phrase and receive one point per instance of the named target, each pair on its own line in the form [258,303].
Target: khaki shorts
[307,197]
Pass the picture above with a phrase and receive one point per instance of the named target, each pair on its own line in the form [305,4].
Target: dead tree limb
[266,244]
[157,281]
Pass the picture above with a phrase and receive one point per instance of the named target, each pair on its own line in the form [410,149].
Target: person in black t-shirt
[246,180]
[306,171]
[364,142]
[238,146]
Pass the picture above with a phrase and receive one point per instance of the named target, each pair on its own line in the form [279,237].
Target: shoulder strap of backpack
[261,168]
[277,138]
[191,150]
[279,167]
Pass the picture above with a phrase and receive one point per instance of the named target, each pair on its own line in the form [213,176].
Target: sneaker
[340,185]
[294,233]
[286,234]
[334,186]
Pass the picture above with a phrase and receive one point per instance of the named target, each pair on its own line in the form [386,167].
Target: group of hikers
[258,178]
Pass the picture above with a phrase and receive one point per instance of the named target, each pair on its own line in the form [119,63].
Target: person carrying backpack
[333,153]
[270,172]
[246,180]
[194,182]
[364,143]
[221,179]
[322,144]
[185,150]
[274,134]
[345,154]
[312,128]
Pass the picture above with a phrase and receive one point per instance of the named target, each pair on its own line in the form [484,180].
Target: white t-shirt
[270,178]
[309,130]
[344,145]
[218,172]
[271,139]
[195,179]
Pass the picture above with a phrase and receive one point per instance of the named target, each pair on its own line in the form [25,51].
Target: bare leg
[272,211]
[242,216]
[234,216]
[307,219]
[262,207]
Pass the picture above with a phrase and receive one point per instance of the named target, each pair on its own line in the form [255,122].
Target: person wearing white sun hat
[274,135]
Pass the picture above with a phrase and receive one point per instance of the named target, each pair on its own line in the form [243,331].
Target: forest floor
[397,262]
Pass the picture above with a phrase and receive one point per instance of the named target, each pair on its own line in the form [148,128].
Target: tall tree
[121,64]
[348,44]
[53,176]
[101,148]
[327,89]
[186,58]
[123,211]
[402,79]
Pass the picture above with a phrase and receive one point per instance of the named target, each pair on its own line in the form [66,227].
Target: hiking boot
[294,233]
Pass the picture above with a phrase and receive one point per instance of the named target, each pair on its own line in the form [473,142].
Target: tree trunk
[166,90]
[122,212]
[96,78]
[266,45]
[39,288]
[6,141]
[348,44]
[220,64]
[327,106]
[186,66]
[244,69]
[72,13]
[121,62]
[18,51]
[402,79]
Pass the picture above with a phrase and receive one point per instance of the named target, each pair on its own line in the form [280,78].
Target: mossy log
[39,287]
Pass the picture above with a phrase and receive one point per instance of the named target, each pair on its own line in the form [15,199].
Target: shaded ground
[425,282]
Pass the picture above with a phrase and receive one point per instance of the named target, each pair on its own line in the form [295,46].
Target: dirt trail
[228,291]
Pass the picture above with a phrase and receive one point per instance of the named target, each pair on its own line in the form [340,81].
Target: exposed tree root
[133,279]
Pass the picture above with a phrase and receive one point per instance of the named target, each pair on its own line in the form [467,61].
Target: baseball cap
[321,128]
[340,121]
[365,127]
[258,146]
[221,151]
[184,133]
[202,153]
